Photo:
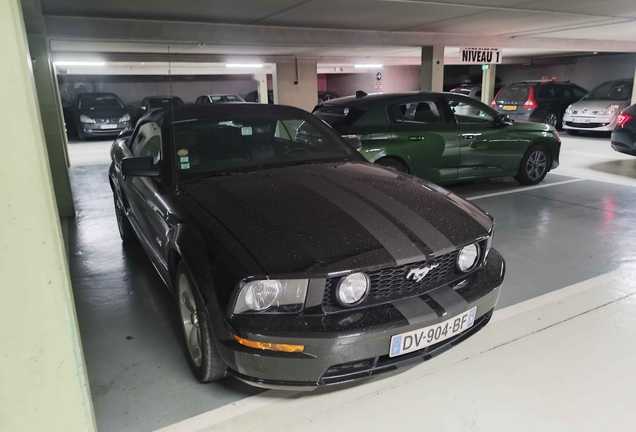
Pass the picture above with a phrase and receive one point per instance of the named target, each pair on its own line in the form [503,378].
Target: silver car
[598,109]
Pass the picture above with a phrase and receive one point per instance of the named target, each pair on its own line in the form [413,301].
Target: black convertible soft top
[192,112]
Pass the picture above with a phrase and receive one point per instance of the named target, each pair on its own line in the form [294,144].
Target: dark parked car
[253,96]
[294,262]
[444,137]
[624,134]
[540,101]
[100,114]
[598,110]
[324,96]
[218,98]
[154,103]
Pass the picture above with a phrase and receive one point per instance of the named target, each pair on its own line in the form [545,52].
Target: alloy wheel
[536,165]
[551,119]
[190,320]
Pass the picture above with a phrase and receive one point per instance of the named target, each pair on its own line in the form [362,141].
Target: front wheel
[534,165]
[199,340]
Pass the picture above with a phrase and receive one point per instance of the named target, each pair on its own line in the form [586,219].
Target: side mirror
[354,142]
[143,108]
[504,120]
[140,167]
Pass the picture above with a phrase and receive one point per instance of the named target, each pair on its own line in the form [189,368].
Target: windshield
[513,93]
[164,102]
[226,98]
[205,148]
[611,91]
[93,102]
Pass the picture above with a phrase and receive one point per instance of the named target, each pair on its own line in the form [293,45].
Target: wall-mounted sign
[378,82]
[472,55]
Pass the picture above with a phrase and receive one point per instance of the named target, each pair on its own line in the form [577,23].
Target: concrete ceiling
[330,29]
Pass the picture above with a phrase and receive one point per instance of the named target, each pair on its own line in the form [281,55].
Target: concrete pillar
[299,90]
[634,90]
[43,383]
[488,84]
[50,107]
[261,79]
[432,69]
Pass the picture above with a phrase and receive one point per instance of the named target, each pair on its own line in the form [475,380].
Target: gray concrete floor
[552,237]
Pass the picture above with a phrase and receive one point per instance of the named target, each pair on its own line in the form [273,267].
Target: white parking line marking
[524,189]
[206,420]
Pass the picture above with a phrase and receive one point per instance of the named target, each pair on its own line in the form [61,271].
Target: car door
[144,194]
[429,137]
[487,147]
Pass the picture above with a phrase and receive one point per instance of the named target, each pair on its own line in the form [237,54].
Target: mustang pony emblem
[417,274]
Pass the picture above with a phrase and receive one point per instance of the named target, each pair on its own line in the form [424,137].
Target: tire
[552,118]
[126,231]
[199,341]
[534,165]
[572,132]
[393,163]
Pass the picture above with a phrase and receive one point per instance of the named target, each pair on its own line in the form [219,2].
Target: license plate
[418,339]
[581,120]
[108,126]
[510,108]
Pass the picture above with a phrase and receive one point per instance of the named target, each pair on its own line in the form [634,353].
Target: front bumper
[345,346]
[589,123]
[96,129]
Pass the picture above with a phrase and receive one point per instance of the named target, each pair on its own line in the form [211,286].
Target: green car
[443,137]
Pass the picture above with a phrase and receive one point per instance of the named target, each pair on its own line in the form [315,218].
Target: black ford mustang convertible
[294,262]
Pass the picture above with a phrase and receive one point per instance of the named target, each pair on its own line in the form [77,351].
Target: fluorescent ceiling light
[78,63]
[377,66]
[244,65]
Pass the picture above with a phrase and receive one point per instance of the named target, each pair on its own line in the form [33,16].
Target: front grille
[107,120]
[391,284]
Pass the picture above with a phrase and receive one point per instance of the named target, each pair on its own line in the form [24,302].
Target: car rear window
[514,93]
[339,116]
[611,91]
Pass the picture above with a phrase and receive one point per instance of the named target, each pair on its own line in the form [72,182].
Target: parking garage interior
[91,335]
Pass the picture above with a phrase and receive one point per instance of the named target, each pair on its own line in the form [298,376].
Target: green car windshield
[207,148]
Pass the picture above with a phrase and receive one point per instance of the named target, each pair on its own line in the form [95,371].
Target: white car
[598,109]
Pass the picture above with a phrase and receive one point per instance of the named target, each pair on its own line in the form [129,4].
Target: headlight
[272,296]
[610,110]
[467,258]
[352,289]
[86,119]
[125,118]
[568,110]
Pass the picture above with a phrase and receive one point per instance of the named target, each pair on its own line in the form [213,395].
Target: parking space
[572,228]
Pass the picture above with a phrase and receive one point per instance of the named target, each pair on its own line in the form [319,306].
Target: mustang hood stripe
[401,248]
[431,237]
[448,299]
[415,310]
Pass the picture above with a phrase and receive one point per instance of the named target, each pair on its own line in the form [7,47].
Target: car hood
[102,113]
[532,126]
[316,220]
[597,104]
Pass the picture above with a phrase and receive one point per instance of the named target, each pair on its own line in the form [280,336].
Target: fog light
[352,289]
[467,258]
[268,346]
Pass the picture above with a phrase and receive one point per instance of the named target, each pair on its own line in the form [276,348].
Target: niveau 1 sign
[479,55]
